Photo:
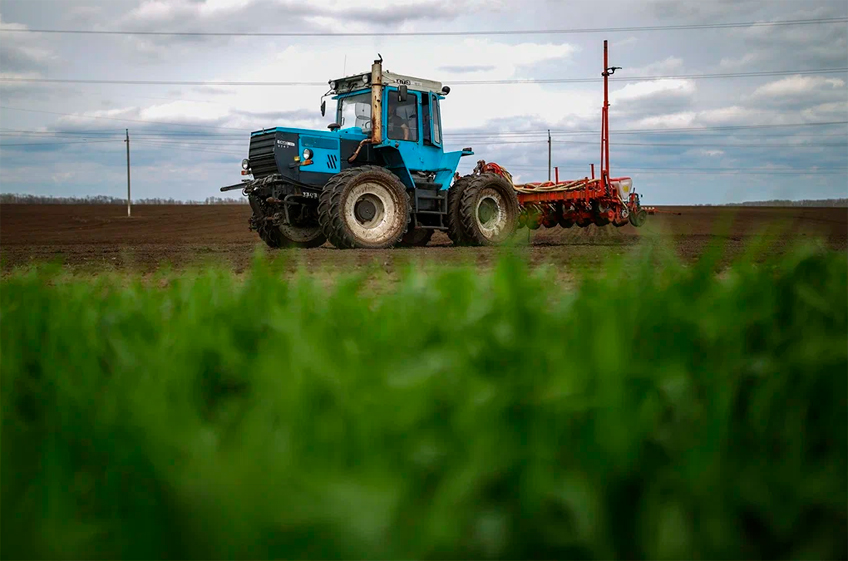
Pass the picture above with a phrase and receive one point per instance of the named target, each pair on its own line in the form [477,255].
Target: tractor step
[429,206]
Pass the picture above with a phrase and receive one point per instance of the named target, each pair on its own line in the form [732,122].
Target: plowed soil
[95,238]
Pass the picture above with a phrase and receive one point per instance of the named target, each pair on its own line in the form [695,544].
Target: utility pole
[129,198]
[549,154]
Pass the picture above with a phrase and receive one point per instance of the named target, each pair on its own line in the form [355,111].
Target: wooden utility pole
[129,197]
[549,154]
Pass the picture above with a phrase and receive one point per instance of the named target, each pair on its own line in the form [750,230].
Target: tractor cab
[401,117]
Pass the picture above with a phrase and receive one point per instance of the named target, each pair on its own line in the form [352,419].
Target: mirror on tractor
[323,107]
[402,94]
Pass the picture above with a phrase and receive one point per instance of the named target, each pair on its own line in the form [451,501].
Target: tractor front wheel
[416,237]
[292,236]
[304,233]
[488,210]
[364,207]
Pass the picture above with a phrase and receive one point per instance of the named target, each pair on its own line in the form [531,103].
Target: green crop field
[655,411]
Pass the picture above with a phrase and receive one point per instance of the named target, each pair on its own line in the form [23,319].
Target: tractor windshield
[356,111]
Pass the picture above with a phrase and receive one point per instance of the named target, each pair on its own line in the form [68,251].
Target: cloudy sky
[669,134]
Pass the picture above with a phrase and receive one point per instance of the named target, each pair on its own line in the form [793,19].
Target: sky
[669,134]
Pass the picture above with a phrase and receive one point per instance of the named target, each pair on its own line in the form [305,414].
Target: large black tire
[305,235]
[488,210]
[454,220]
[364,207]
[416,237]
[292,236]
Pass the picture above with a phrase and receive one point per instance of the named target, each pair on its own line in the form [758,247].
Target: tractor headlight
[365,78]
[307,154]
[332,85]
[245,164]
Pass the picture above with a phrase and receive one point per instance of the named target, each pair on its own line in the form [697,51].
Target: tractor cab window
[437,121]
[403,117]
[356,112]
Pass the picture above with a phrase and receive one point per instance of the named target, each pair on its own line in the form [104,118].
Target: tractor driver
[403,122]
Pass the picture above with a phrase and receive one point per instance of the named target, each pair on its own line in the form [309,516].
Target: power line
[691,171]
[156,144]
[684,171]
[452,138]
[649,131]
[630,29]
[120,119]
[55,143]
[505,135]
[651,78]
[661,144]
[514,82]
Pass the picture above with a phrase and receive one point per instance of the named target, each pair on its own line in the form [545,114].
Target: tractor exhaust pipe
[377,101]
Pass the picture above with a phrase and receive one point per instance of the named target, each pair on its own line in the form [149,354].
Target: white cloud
[735,63]
[642,90]
[670,66]
[733,115]
[797,86]
[184,111]
[670,121]
[825,112]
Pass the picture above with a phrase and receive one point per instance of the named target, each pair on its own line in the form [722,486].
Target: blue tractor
[379,177]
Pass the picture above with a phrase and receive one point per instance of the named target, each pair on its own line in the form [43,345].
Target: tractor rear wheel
[454,220]
[365,207]
[488,210]
[638,218]
[416,237]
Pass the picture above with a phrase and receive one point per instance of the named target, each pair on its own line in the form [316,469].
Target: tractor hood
[300,154]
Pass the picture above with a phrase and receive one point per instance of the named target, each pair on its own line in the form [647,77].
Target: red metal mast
[605,149]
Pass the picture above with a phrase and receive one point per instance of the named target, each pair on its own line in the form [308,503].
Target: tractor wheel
[601,221]
[619,224]
[304,234]
[292,236]
[488,210]
[365,207]
[565,223]
[455,232]
[583,223]
[416,237]
[638,218]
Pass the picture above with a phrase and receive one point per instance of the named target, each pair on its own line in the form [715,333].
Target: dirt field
[96,238]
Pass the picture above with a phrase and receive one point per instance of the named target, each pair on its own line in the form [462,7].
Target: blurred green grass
[661,413]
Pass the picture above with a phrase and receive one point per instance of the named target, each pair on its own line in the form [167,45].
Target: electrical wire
[458,135]
[515,82]
[55,143]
